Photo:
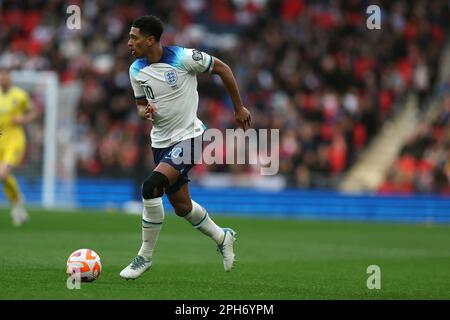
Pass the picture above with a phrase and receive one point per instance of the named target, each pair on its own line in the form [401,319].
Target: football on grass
[84,263]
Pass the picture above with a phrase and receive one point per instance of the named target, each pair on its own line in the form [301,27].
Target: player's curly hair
[149,26]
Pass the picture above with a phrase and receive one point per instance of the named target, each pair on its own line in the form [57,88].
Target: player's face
[138,43]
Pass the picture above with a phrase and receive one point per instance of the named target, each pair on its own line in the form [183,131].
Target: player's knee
[182,209]
[154,186]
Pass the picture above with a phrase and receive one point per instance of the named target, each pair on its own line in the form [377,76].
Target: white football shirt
[171,84]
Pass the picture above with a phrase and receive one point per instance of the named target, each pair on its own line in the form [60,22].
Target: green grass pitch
[277,259]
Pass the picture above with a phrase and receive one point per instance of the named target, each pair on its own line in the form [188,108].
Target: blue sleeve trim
[137,65]
[210,63]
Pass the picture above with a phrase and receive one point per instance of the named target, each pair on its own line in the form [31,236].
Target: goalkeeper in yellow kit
[15,112]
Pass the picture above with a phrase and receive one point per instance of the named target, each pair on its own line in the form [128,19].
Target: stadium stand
[423,164]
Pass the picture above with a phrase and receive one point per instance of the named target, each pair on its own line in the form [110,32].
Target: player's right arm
[145,109]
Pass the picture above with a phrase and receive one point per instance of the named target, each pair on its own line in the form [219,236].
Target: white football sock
[200,220]
[152,219]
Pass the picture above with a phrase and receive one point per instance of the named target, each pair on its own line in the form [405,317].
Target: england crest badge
[171,77]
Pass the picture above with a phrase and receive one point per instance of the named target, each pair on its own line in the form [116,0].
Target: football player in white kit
[164,82]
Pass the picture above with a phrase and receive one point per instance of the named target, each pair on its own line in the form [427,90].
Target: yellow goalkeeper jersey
[13,103]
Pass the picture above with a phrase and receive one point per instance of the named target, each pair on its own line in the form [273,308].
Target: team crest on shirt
[196,55]
[171,77]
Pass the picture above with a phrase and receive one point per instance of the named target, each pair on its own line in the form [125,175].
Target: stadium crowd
[423,165]
[309,68]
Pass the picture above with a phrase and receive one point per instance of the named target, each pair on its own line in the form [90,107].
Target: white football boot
[19,214]
[136,268]
[226,248]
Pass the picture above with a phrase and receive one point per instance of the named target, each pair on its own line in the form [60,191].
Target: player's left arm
[29,114]
[241,114]
[26,118]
